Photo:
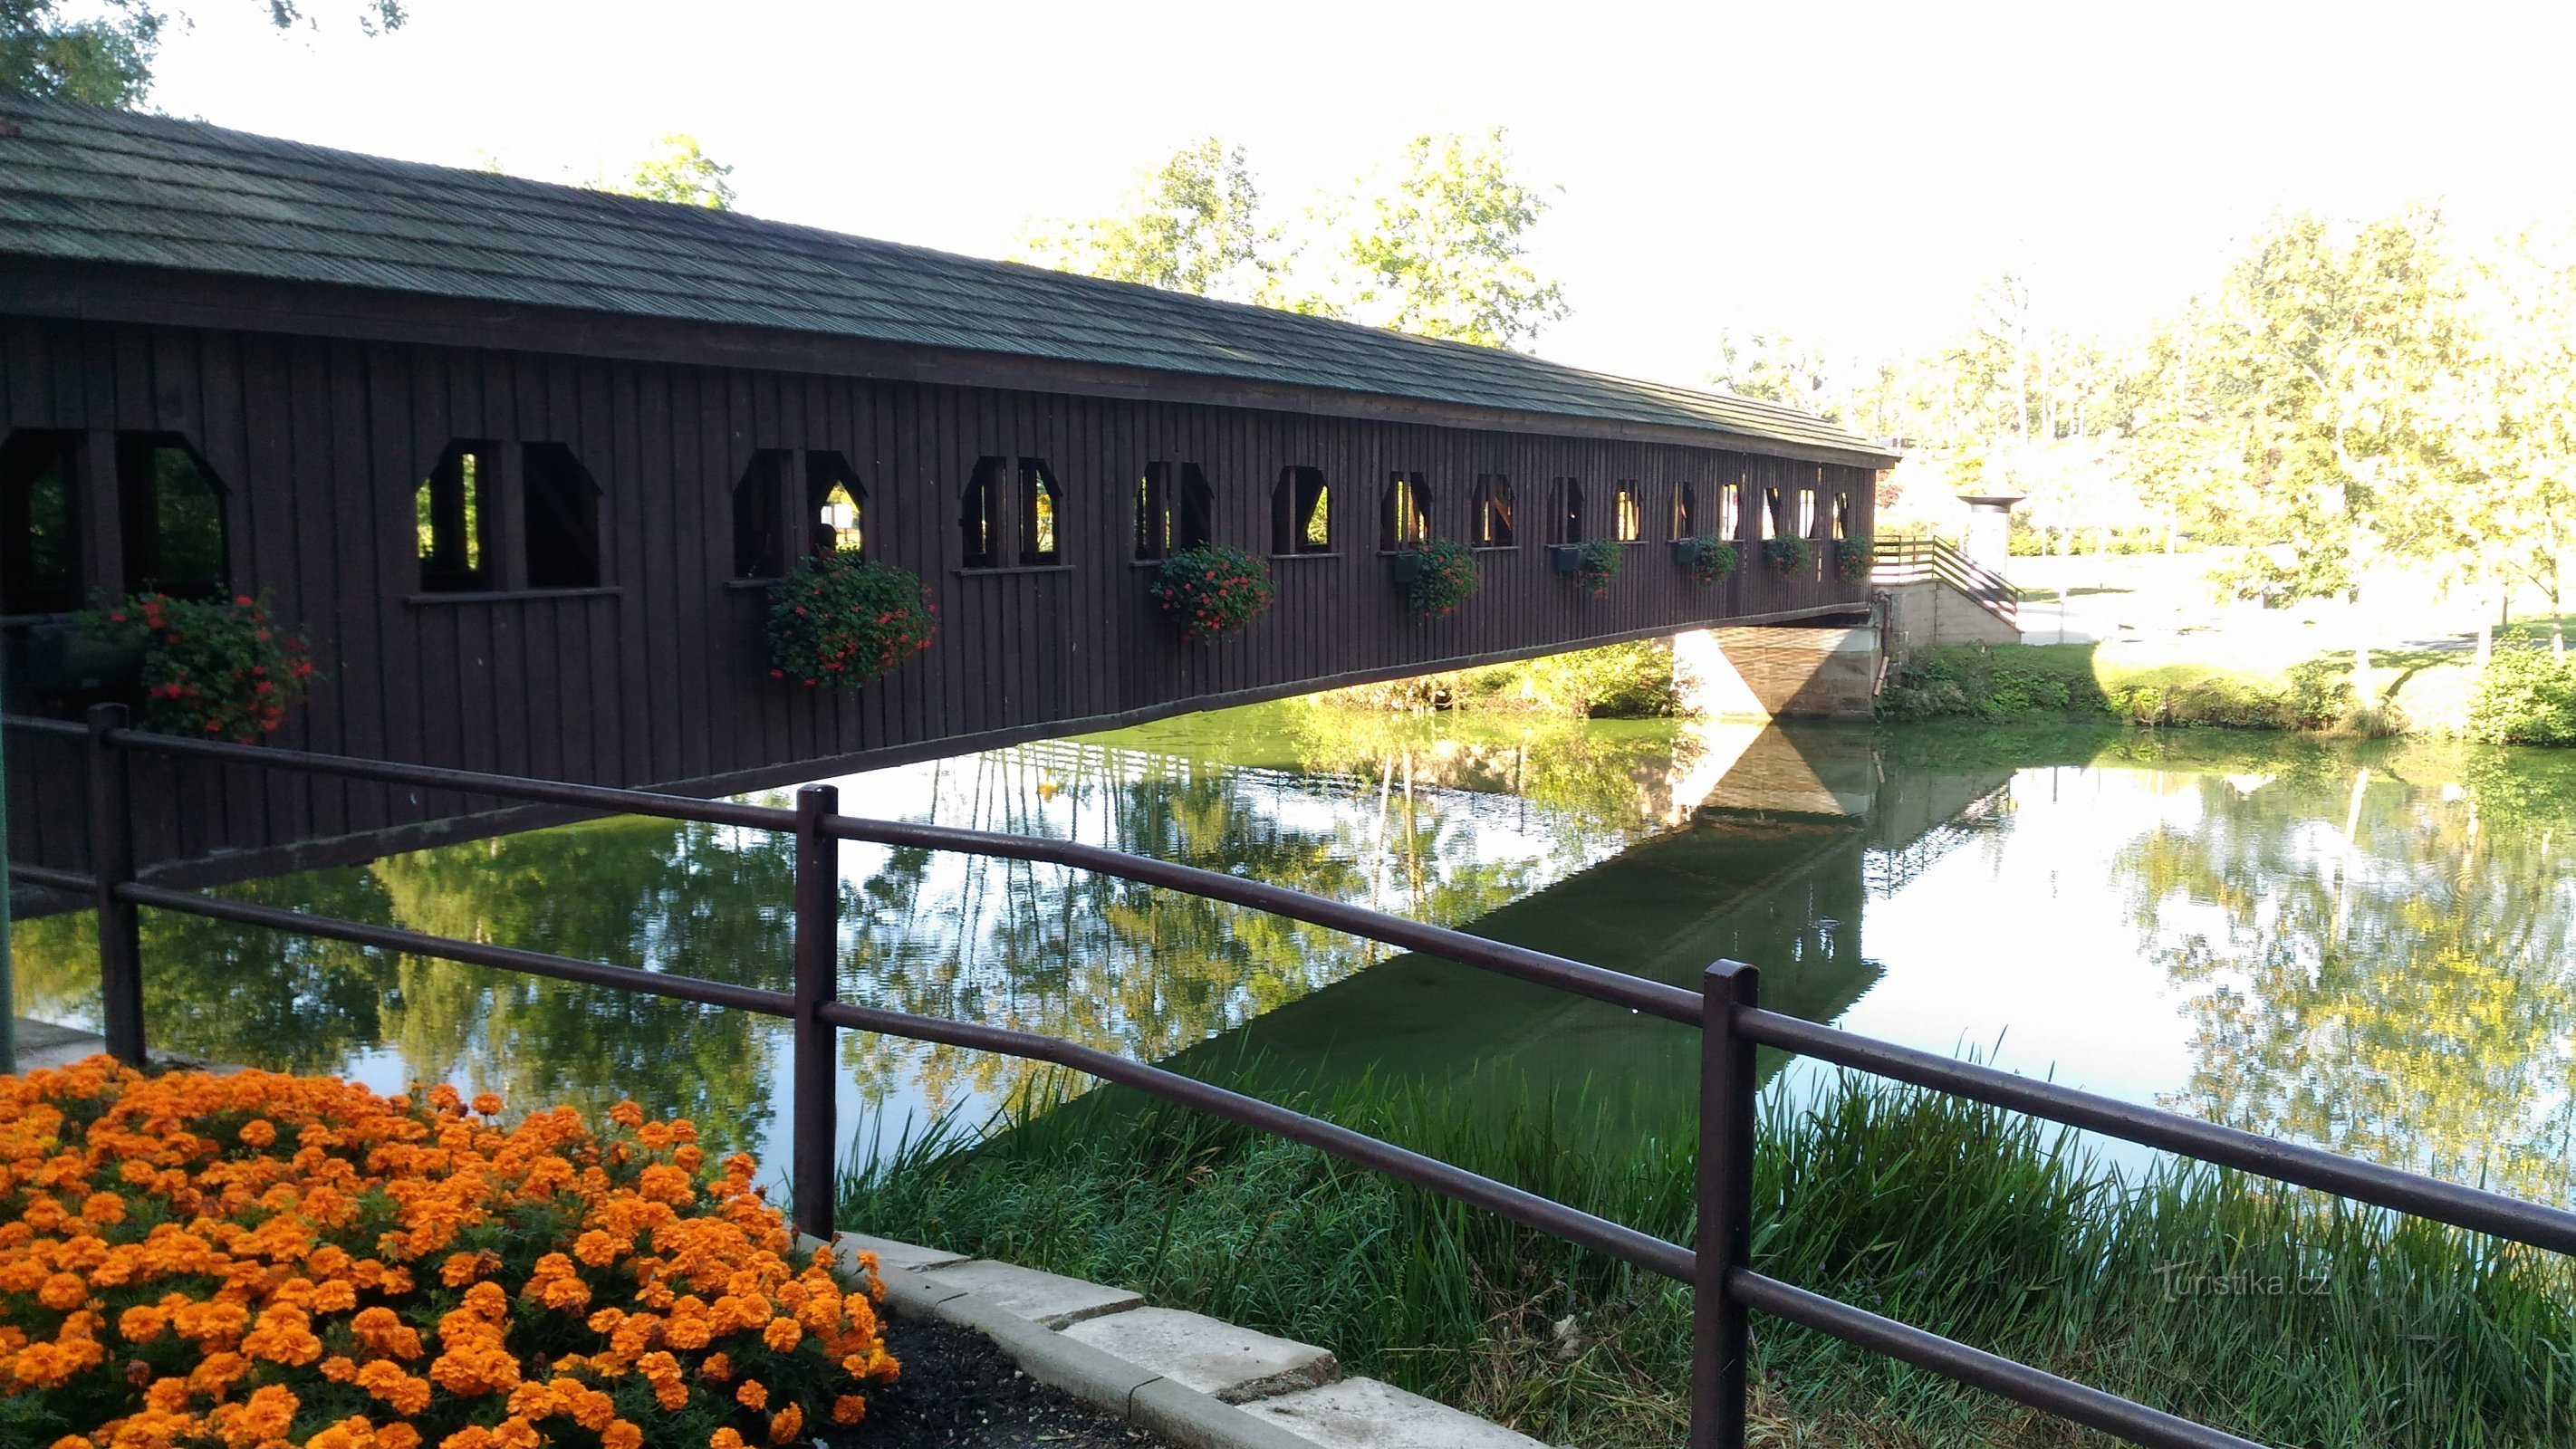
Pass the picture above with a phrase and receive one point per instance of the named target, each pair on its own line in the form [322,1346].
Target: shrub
[1211,591]
[263,1260]
[2525,696]
[1708,560]
[1596,565]
[210,667]
[1788,555]
[838,620]
[1613,681]
[1447,578]
[1851,559]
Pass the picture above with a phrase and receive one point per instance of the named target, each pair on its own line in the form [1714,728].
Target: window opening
[1175,510]
[1493,510]
[40,559]
[760,516]
[1807,511]
[561,508]
[1774,521]
[1403,521]
[1565,511]
[1730,510]
[172,507]
[979,515]
[1628,516]
[1039,506]
[1842,516]
[449,514]
[1685,522]
[1301,512]
[837,502]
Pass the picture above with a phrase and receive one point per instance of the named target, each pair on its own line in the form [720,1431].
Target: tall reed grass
[2269,1311]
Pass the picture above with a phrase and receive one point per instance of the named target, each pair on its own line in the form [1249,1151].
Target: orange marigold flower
[621,1435]
[784,1424]
[751,1395]
[726,1438]
[258,1132]
[488,1103]
[626,1114]
[849,1409]
[103,1208]
[782,1334]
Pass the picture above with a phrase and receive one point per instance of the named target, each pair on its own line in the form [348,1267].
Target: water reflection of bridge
[1775,837]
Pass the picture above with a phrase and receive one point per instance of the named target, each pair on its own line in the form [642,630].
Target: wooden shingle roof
[84,185]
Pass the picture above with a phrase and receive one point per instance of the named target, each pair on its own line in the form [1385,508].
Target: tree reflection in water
[2374,966]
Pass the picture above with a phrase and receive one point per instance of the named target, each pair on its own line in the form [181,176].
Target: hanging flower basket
[1788,555]
[1851,559]
[836,620]
[218,668]
[1440,576]
[1211,591]
[1705,560]
[1596,565]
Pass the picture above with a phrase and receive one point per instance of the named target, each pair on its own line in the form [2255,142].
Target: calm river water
[2363,946]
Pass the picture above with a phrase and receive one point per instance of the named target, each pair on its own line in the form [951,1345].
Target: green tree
[103,53]
[1442,251]
[1192,224]
[680,173]
[1776,367]
[2522,438]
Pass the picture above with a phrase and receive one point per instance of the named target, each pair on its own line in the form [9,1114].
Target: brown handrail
[1727,1008]
[1915,560]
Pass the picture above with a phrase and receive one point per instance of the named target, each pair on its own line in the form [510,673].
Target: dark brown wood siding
[660,676]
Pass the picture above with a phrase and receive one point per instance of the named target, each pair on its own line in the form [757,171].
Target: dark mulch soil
[957,1388]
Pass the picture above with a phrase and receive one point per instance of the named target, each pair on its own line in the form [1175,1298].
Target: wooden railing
[1921,560]
[1727,1010]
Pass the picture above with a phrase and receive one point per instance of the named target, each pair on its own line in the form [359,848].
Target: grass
[1971,1222]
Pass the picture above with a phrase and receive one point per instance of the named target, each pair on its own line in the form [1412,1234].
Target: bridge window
[562,514]
[760,516]
[172,509]
[1685,520]
[838,503]
[1628,516]
[1403,516]
[1807,508]
[452,518]
[1017,497]
[1301,517]
[1493,511]
[1843,516]
[1039,506]
[1730,509]
[40,560]
[1775,517]
[1565,511]
[1175,510]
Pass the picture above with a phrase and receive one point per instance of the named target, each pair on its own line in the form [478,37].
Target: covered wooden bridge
[523,461]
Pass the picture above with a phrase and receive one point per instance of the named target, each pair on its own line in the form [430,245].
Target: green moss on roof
[83,184]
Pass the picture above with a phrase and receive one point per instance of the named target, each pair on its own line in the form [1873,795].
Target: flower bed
[1211,591]
[210,666]
[841,621]
[269,1262]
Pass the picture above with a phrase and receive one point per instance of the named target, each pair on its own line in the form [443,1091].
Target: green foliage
[2034,683]
[1708,560]
[1788,555]
[1438,250]
[838,620]
[210,667]
[2525,696]
[1447,578]
[1851,559]
[1211,591]
[102,53]
[1192,225]
[1614,681]
[680,173]
[1971,1222]
[1596,566]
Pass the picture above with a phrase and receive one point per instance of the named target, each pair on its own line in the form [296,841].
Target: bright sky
[1846,172]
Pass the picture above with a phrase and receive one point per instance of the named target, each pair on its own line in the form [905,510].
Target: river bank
[2267,1311]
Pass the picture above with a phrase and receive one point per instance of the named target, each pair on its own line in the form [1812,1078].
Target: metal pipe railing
[1727,1009]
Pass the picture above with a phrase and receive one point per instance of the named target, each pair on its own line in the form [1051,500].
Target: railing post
[1719,1338]
[111,864]
[812,1131]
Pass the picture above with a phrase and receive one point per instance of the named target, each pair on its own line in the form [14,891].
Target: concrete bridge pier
[1780,671]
